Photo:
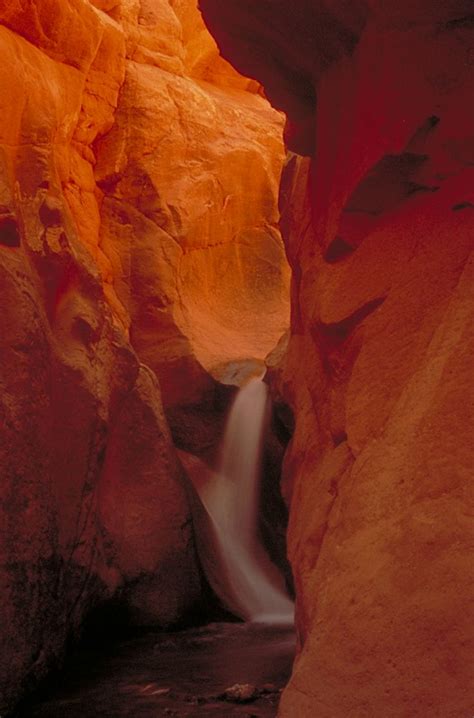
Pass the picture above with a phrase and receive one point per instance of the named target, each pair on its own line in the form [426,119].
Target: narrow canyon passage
[236,351]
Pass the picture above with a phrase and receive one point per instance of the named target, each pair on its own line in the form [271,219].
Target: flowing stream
[255,588]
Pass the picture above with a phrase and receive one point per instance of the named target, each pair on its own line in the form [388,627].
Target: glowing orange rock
[202,58]
[189,174]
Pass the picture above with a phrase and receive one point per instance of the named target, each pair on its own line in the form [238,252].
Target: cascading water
[231,499]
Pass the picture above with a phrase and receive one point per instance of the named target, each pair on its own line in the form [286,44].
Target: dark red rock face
[287,46]
[378,225]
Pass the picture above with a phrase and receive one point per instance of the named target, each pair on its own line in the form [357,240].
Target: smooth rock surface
[378,227]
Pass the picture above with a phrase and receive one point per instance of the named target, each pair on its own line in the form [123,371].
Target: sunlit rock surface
[122,176]
[378,224]
[189,176]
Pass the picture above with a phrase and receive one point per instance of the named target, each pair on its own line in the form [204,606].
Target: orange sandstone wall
[378,221]
[91,493]
[188,178]
[122,223]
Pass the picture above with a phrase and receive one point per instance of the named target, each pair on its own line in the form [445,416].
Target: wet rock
[152,690]
[199,700]
[269,688]
[240,693]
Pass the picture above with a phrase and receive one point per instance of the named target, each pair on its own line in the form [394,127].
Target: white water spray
[231,500]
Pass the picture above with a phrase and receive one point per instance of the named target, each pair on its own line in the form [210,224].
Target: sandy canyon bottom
[184,674]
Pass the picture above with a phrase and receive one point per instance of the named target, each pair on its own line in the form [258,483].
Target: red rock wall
[378,224]
[84,443]
[116,190]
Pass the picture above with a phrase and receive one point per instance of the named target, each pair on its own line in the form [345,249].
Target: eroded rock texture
[189,178]
[87,462]
[128,194]
[379,229]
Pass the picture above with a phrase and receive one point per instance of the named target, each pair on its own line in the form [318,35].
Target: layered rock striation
[378,220]
[138,183]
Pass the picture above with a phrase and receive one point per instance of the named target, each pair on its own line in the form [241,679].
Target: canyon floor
[182,674]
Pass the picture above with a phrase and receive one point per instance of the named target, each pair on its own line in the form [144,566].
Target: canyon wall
[138,184]
[378,222]
[189,177]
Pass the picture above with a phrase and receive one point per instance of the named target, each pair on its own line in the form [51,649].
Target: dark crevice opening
[462,205]
[338,332]
[338,250]
[9,232]
[394,179]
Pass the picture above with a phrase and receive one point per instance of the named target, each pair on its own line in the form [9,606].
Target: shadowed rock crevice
[260,40]
[390,182]
[462,205]
[338,250]
[9,232]
[338,332]
[394,180]
[460,22]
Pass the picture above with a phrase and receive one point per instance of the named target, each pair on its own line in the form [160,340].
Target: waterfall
[255,588]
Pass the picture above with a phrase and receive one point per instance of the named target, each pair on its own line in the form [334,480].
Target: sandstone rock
[201,54]
[260,42]
[144,510]
[47,25]
[67,377]
[240,693]
[174,286]
[153,34]
[109,141]
[377,227]
[189,174]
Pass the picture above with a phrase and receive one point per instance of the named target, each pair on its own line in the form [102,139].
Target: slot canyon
[236,351]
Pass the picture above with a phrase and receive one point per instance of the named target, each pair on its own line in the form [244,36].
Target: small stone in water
[240,693]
